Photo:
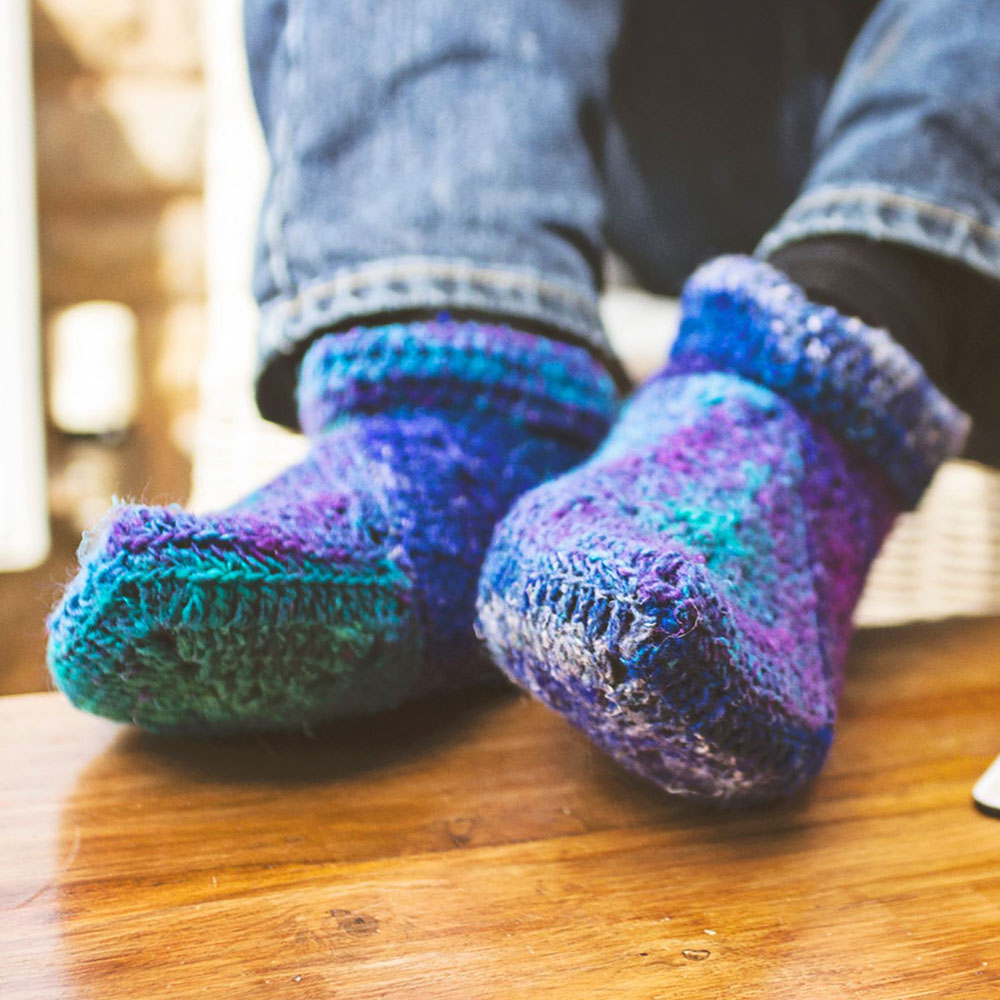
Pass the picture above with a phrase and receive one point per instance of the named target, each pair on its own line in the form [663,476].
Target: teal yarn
[180,623]
[347,584]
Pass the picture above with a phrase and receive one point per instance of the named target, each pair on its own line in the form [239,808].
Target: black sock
[943,312]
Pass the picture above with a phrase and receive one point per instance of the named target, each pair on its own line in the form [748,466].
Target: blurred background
[111,102]
[127,351]
[118,115]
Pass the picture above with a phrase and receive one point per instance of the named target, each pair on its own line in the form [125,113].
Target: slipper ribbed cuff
[746,317]
[464,367]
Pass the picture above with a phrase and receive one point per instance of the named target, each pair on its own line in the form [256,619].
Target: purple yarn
[346,584]
[685,596]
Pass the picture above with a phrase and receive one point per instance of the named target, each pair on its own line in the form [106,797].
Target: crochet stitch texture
[685,596]
[348,583]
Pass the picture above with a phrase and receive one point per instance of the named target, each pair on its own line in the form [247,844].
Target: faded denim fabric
[908,147]
[481,156]
[427,155]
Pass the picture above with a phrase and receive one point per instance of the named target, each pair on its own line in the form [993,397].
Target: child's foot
[348,583]
[685,596]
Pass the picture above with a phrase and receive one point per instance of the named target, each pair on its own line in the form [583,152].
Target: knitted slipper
[348,583]
[685,596]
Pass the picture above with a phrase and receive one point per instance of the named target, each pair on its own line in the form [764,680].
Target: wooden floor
[483,850]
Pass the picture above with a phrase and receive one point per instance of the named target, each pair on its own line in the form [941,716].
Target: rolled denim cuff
[408,284]
[897,216]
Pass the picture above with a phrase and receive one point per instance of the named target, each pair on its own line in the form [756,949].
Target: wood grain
[479,848]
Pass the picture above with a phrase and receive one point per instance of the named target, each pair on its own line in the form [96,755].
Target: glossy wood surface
[481,849]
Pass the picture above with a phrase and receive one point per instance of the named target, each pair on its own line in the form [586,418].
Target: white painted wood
[24,526]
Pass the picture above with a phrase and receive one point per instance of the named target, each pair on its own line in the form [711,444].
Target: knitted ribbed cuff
[459,367]
[746,317]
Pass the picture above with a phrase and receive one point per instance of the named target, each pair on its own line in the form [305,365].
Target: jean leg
[908,148]
[426,155]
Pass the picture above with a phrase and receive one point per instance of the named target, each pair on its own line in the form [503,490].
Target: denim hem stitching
[886,214]
[407,283]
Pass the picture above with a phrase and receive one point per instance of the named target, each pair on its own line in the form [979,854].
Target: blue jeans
[479,157]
